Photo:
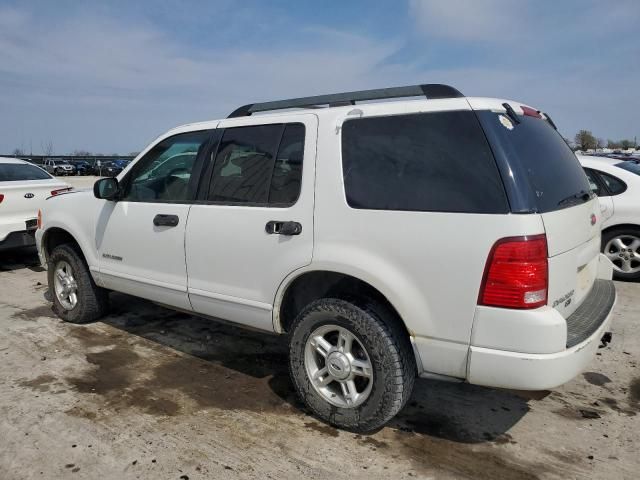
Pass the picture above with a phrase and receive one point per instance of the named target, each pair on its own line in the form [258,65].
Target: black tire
[92,301]
[390,352]
[628,232]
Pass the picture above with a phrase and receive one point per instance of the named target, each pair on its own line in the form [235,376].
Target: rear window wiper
[573,199]
[511,113]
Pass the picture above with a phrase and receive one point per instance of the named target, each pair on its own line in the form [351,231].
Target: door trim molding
[146,281]
[230,299]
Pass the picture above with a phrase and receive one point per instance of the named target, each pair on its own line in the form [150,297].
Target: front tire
[352,365]
[622,247]
[76,297]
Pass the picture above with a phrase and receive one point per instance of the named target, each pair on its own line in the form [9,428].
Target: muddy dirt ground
[149,393]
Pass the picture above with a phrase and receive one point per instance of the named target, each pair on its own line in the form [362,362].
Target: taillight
[1,197]
[516,274]
[39,222]
[60,190]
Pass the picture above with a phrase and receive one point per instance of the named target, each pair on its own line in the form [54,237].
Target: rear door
[550,182]
[253,222]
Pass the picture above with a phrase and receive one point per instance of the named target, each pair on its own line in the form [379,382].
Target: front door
[253,223]
[140,238]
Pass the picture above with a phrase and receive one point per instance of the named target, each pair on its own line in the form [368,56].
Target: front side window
[258,165]
[13,172]
[163,174]
[421,162]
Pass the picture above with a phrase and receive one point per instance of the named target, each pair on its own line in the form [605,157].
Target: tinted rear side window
[14,172]
[243,164]
[259,165]
[422,162]
[542,156]
[287,171]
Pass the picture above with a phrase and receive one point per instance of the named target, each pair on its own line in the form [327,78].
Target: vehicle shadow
[453,411]
[20,258]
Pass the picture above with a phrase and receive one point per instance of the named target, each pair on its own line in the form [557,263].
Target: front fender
[76,215]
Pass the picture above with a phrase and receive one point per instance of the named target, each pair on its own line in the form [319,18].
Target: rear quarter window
[439,162]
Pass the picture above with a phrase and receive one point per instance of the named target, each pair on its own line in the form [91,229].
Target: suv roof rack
[431,90]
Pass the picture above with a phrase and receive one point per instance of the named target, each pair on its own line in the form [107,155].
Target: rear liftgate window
[542,156]
[439,162]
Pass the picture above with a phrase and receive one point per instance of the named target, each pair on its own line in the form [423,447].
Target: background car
[23,188]
[83,167]
[57,167]
[110,169]
[617,183]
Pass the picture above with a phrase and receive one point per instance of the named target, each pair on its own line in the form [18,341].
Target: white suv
[442,237]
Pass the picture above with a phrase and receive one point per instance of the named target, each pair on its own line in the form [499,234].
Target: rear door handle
[161,220]
[275,227]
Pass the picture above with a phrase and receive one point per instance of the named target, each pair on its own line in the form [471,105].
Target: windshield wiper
[573,199]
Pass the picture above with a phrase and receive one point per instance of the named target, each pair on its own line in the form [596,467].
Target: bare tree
[585,140]
[47,148]
[18,152]
[81,153]
[600,143]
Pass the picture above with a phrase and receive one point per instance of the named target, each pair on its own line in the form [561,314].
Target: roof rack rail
[431,91]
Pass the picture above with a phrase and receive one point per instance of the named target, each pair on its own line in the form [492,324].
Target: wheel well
[57,236]
[312,286]
[621,226]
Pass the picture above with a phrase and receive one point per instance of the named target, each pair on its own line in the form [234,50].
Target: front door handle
[161,220]
[275,227]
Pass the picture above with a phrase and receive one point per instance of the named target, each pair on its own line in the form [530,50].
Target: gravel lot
[149,393]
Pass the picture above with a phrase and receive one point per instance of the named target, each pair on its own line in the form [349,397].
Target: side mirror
[106,188]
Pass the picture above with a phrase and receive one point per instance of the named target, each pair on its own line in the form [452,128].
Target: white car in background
[617,184]
[23,189]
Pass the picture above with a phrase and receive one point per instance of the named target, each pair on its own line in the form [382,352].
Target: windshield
[536,151]
[12,172]
[632,166]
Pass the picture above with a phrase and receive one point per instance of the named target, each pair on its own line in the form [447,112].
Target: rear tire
[76,297]
[380,363]
[622,247]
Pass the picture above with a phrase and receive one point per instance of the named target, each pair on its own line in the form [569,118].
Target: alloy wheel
[65,286]
[338,366]
[624,253]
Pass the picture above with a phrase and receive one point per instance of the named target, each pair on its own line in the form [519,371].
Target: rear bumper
[530,371]
[19,239]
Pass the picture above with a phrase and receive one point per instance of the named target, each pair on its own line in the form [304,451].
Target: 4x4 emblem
[29,195]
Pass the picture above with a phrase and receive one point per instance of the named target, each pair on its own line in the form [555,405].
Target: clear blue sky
[110,76]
